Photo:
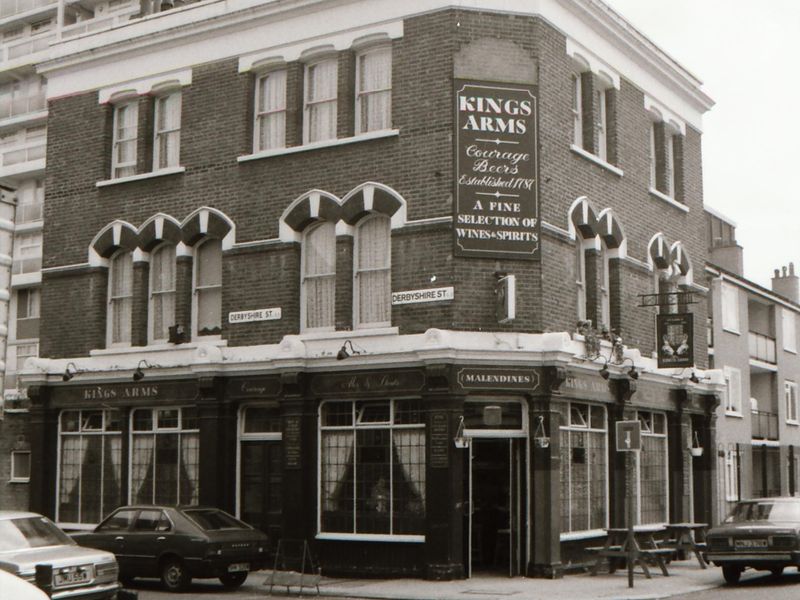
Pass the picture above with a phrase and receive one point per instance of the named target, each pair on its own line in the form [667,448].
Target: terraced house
[369,274]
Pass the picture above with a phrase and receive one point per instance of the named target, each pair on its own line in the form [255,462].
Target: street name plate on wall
[292,451]
[440,440]
[417,296]
[496,171]
[486,378]
[249,316]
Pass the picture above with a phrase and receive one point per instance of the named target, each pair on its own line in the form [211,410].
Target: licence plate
[71,576]
[238,567]
[750,543]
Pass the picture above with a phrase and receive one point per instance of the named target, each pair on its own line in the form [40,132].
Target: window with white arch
[120,299]
[162,292]
[318,277]
[208,288]
[372,287]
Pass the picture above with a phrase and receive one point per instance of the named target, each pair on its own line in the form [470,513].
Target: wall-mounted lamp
[632,372]
[138,374]
[694,378]
[604,373]
[345,353]
[69,374]
[460,440]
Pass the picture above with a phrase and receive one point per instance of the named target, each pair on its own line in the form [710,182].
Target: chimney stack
[786,283]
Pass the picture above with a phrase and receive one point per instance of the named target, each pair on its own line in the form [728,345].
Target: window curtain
[272,110]
[375,79]
[163,291]
[73,451]
[190,461]
[409,448]
[373,275]
[208,282]
[321,100]
[121,297]
[142,466]
[337,456]
[319,271]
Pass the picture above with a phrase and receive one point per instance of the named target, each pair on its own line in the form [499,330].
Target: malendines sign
[496,187]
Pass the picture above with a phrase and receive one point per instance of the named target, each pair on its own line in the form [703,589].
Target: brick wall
[216,129]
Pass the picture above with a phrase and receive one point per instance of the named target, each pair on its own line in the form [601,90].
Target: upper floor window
[374,89]
[652,154]
[318,285]
[126,122]
[162,292]
[730,308]
[120,299]
[30,201]
[208,288]
[166,147]
[577,110]
[604,291]
[601,123]
[320,102]
[790,396]
[27,253]
[789,326]
[733,392]
[270,123]
[666,144]
[28,301]
[669,167]
[372,272]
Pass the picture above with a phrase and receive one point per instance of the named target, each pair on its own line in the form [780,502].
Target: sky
[747,54]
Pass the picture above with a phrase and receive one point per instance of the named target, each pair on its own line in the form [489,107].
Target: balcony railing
[27,46]
[22,154]
[14,7]
[764,425]
[28,213]
[122,15]
[762,347]
[29,264]
[22,105]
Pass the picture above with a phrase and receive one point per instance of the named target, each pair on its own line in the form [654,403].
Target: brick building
[322,266]
[753,333]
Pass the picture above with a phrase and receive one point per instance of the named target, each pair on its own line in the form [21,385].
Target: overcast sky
[746,54]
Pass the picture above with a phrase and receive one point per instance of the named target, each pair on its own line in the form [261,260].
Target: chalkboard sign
[292,453]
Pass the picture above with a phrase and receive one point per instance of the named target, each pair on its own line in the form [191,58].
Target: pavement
[684,578]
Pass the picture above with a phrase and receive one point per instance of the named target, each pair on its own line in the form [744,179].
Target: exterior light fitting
[345,353]
[138,374]
[69,374]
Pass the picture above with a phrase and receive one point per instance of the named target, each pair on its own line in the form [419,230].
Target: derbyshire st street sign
[629,436]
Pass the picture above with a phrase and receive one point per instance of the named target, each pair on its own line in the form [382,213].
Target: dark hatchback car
[177,543]
[762,534]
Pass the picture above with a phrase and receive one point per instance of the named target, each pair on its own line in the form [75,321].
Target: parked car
[177,543]
[762,534]
[28,539]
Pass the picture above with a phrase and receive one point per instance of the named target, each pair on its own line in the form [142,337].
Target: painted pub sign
[496,170]
[675,333]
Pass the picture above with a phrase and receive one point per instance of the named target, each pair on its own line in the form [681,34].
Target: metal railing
[762,347]
[764,425]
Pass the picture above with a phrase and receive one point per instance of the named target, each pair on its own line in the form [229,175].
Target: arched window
[162,292]
[120,299]
[318,278]
[372,286]
[208,288]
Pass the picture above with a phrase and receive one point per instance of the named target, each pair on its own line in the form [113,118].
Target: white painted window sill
[793,423]
[582,535]
[731,330]
[372,537]
[141,176]
[361,137]
[122,350]
[353,334]
[596,160]
[731,413]
[671,201]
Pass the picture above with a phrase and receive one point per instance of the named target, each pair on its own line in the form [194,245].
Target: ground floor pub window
[165,447]
[372,468]
[652,483]
[90,465]
[584,467]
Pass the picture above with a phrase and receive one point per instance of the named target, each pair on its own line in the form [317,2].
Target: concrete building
[753,335]
[380,276]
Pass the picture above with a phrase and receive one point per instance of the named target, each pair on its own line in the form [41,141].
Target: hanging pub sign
[675,340]
[496,171]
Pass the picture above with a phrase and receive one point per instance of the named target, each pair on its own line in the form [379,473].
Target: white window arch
[372,274]
[318,277]
[120,299]
[161,306]
[207,284]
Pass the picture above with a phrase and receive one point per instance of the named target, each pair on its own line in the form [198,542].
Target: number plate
[238,567]
[72,575]
[750,543]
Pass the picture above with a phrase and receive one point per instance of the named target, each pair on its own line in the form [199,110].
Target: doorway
[495,522]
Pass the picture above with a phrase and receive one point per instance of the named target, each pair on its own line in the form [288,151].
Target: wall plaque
[292,450]
[496,171]
[491,378]
[440,440]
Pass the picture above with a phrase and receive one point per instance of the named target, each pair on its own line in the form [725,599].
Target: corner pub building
[320,264]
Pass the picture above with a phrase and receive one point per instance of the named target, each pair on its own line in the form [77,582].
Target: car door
[146,541]
[112,534]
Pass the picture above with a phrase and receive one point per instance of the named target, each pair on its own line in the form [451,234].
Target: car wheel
[174,576]
[233,580]
[776,571]
[731,573]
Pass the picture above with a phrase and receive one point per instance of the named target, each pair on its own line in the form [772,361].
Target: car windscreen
[211,520]
[765,511]
[30,532]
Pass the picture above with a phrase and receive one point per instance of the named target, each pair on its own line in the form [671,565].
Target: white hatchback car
[28,539]
[19,589]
